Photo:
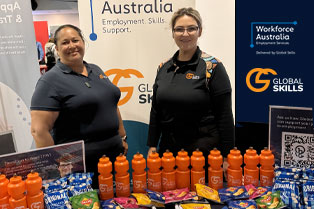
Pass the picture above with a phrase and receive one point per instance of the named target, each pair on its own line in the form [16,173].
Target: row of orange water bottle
[252,173]
[13,192]
[155,179]
[170,178]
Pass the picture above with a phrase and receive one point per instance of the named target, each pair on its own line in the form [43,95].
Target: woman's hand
[125,146]
[225,167]
[151,149]
[41,124]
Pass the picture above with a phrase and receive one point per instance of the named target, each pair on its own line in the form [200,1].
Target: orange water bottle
[105,180]
[4,196]
[121,166]
[251,171]
[215,172]
[234,170]
[267,161]
[197,171]
[34,197]
[168,173]
[182,171]
[154,173]
[139,173]
[16,189]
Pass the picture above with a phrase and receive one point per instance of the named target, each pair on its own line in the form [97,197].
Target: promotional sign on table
[50,162]
[291,136]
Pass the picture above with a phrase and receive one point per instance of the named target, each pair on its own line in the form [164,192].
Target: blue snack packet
[56,185]
[78,189]
[308,174]
[233,193]
[288,173]
[308,193]
[109,204]
[289,193]
[156,196]
[250,204]
[57,200]
[80,178]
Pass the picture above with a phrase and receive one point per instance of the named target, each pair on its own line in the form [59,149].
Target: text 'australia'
[157,6]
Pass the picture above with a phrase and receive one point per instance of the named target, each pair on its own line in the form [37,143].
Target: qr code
[297,150]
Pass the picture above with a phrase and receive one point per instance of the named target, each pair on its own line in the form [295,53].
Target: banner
[128,40]
[19,69]
[273,58]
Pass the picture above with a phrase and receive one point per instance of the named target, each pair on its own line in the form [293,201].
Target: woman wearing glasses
[189,109]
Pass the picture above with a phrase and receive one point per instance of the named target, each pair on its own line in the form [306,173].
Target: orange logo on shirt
[126,73]
[189,75]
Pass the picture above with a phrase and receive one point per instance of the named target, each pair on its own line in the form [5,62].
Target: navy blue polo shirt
[87,106]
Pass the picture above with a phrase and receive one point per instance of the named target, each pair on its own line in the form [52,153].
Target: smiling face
[70,46]
[186,40]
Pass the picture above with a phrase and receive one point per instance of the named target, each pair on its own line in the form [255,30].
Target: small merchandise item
[87,200]
[195,206]
[122,176]
[267,161]
[251,171]
[109,204]
[271,201]
[215,172]
[197,170]
[139,173]
[4,196]
[177,195]
[55,185]
[168,173]
[308,192]
[207,192]
[58,199]
[35,196]
[248,204]
[126,202]
[105,178]
[154,173]
[233,193]
[142,199]
[183,173]
[16,189]
[234,170]
[260,191]
[79,189]
[289,192]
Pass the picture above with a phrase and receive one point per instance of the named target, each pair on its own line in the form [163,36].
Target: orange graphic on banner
[126,73]
[260,71]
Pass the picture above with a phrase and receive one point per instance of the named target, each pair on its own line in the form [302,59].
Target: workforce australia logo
[126,73]
[263,78]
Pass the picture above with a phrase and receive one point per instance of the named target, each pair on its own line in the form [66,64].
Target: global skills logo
[145,92]
[259,80]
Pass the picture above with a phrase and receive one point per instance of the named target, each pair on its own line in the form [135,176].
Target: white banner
[128,40]
[19,69]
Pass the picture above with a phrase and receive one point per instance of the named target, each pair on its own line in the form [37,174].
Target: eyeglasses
[190,30]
